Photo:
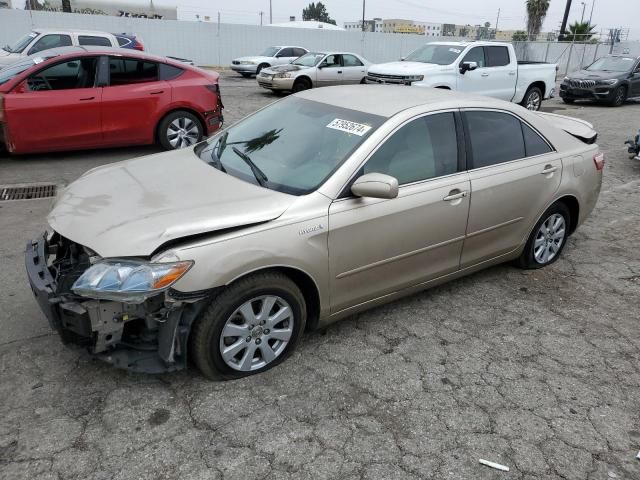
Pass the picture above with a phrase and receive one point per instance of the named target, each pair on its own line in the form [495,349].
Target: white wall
[210,44]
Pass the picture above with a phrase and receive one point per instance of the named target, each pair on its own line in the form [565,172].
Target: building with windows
[396,25]
[374,25]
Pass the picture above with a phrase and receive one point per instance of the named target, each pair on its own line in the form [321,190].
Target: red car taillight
[139,46]
[1,107]
[598,160]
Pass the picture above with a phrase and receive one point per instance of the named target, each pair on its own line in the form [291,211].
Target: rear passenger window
[169,72]
[497,56]
[90,40]
[126,71]
[351,61]
[424,148]
[534,143]
[495,138]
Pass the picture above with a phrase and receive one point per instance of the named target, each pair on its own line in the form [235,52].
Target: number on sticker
[349,127]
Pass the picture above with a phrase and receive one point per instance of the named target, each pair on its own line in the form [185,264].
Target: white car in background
[315,69]
[41,39]
[248,66]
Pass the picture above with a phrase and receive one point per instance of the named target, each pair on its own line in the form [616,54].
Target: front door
[514,175]
[478,80]
[132,102]
[330,71]
[377,247]
[57,107]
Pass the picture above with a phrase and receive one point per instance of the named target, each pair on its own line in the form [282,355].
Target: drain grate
[27,192]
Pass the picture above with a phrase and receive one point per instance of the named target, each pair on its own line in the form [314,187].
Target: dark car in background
[611,79]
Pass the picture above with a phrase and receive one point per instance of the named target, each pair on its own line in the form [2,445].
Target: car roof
[97,50]
[64,30]
[388,100]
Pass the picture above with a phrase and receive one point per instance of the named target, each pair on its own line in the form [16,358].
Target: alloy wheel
[183,132]
[549,238]
[256,333]
[533,101]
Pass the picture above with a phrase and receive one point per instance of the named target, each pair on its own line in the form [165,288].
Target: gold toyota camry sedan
[318,206]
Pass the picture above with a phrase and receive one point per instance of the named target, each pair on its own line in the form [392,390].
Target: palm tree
[579,32]
[536,11]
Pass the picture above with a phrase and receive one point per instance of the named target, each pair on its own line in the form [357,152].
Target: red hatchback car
[90,97]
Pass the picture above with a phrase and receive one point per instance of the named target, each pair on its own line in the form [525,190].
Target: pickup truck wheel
[250,327]
[619,96]
[547,239]
[532,99]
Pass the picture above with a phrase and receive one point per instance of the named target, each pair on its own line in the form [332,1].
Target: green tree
[536,11]
[520,36]
[317,12]
[579,32]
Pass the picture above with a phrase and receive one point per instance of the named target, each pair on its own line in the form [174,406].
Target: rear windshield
[438,54]
[12,71]
[613,64]
[19,45]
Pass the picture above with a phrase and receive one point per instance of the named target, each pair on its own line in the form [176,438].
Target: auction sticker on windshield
[349,127]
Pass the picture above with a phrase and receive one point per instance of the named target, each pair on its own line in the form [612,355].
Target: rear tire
[180,129]
[257,349]
[246,75]
[619,96]
[301,84]
[547,239]
[532,99]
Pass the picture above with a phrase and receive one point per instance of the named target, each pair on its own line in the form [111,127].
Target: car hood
[7,58]
[594,75]
[253,59]
[285,68]
[403,68]
[574,126]
[133,207]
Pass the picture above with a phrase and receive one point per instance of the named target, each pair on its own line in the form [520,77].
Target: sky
[606,13]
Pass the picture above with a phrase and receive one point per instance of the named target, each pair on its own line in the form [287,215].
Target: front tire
[532,99]
[180,129]
[301,84]
[547,239]
[250,327]
[260,67]
[619,96]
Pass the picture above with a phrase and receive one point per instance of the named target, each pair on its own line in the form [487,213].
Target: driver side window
[422,149]
[50,41]
[76,73]
[476,54]
[332,61]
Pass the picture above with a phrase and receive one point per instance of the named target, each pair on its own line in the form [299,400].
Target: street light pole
[593,3]
[270,12]
[363,9]
[584,4]
[567,9]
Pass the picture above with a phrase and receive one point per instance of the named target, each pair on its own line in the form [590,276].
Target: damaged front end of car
[123,311]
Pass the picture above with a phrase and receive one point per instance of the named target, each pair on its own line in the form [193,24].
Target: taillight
[139,46]
[598,160]
[1,107]
[214,88]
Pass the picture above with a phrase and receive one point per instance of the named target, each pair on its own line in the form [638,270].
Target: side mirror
[402,59]
[321,66]
[467,67]
[375,185]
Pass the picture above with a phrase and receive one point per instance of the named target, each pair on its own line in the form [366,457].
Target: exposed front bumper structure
[244,68]
[150,337]
[271,82]
[596,92]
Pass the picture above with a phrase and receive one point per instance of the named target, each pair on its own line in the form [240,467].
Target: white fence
[212,44]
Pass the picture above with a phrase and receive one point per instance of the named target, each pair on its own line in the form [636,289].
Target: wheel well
[303,78]
[181,109]
[264,65]
[574,210]
[306,285]
[540,85]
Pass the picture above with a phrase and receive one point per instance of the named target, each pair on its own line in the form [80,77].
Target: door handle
[512,73]
[86,98]
[157,93]
[484,75]
[548,169]
[455,195]
[339,71]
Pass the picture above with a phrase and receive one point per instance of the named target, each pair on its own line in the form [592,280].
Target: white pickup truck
[485,68]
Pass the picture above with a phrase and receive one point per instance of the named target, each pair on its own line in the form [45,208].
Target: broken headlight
[128,281]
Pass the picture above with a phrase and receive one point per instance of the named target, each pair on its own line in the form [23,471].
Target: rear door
[133,101]
[514,175]
[353,70]
[330,71]
[502,70]
[635,81]
[57,107]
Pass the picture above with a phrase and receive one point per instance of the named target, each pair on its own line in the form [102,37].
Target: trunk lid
[580,129]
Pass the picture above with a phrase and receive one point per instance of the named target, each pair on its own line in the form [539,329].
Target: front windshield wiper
[259,174]
[217,150]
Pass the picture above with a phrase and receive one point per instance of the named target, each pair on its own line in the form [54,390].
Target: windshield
[292,146]
[21,44]
[438,54]
[270,52]
[13,70]
[612,64]
[310,59]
